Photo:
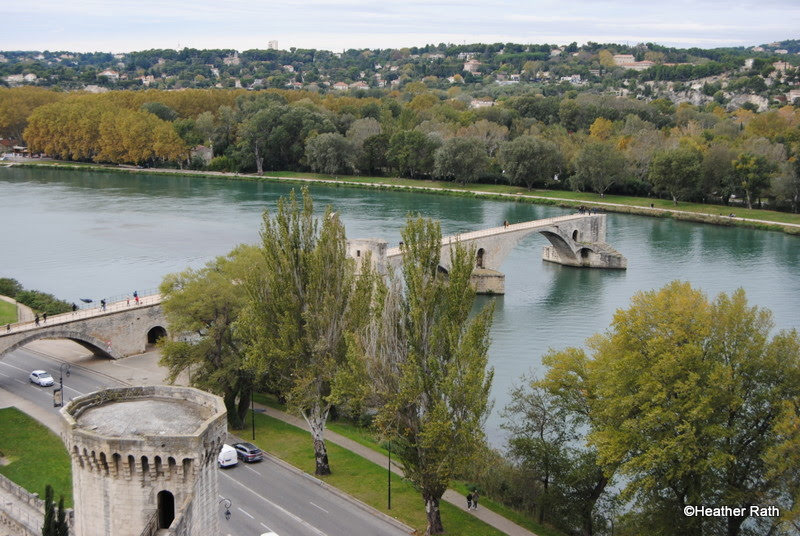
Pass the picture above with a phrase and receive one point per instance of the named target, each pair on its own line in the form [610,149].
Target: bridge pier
[603,256]
[486,281]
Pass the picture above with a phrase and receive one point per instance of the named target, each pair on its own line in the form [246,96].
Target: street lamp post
[253,412]
[227,503]
[58,394]
[390,476]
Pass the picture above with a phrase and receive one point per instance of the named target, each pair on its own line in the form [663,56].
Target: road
[265,496]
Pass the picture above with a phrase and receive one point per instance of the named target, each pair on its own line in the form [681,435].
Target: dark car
[247,452]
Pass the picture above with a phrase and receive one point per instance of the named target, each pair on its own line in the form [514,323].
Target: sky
[124,26]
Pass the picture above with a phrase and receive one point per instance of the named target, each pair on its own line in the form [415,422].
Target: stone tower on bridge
[144,459]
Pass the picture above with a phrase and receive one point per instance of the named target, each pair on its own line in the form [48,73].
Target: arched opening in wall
[155,334]
[584,253]
[479,260]
[442,270]
[575,235]
[166,509]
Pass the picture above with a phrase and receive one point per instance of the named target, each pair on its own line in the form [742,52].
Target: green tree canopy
[684,398]
[201,307]
[461,159]
[299,308]
[676,172]
[425,359]
[530,161]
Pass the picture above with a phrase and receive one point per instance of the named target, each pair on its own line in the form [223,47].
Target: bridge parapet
[118,330]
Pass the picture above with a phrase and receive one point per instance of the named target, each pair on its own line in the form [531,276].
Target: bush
[9,287]
[222,163]
[43,302]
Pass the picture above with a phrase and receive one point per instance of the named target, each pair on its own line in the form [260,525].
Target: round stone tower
[145,458]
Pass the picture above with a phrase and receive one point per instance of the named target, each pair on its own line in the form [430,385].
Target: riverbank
[694,212]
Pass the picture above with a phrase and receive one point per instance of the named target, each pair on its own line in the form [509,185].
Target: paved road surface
[265,496]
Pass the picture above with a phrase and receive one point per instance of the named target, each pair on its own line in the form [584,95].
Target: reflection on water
[79,234]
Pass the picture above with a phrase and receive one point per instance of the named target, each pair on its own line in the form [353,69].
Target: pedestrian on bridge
[103,304]
[44,317]
[36,319]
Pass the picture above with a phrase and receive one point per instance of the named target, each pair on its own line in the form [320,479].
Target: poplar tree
[299,309]
[425,357]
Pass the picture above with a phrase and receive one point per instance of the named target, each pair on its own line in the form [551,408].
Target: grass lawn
[8,312]
[362,479]
[35,455]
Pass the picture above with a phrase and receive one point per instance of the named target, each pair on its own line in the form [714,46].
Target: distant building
[555,52]
[466,55]
[110,74]
[359,85]
[272,45]
[781,66]
[748,63]
[30,77]
[340,86]
[624,59]
[232,60]
[792,95]
[147,80]
[472,66]
[757,49]
[288,68]
[781,51]
[481,103]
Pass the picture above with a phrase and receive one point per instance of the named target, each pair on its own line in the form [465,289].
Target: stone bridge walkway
[80,314]
[496,231]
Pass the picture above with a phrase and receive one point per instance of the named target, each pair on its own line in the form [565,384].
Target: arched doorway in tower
[166,509]
[479,259]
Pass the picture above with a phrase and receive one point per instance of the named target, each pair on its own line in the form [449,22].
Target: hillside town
[757,77]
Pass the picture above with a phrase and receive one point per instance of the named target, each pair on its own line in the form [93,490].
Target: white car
[227,456]
[41,377]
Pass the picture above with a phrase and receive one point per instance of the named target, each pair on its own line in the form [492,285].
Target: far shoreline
[391,183]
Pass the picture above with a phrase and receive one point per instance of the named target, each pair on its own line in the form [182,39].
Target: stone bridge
[120,329]
[575,240]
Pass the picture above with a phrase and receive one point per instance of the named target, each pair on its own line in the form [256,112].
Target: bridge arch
[155,334]
[95,345]
[561,245]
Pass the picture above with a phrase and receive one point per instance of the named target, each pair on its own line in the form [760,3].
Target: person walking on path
[103,304]
[36,319]
[475,500]
[136,297]
[74,307]
[44,317]
[469,501]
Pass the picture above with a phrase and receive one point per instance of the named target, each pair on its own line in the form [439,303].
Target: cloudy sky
[121,26]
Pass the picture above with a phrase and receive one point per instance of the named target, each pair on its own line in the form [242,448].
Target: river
[93,235]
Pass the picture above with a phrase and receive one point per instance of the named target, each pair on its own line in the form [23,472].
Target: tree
[55,521]
[330,153]
[202,307]
[461,159]
[684,397]
[752,174]
[411,153]
[598,165]
[425,357]
[717,171]
[676,172]
[299,308]
[491,133]
[530,161]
